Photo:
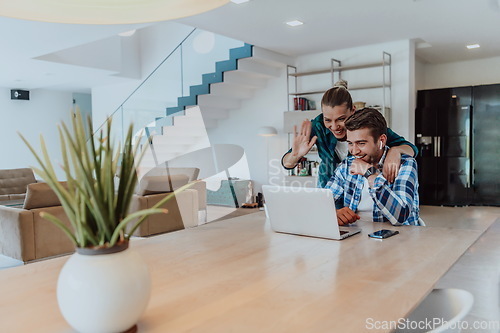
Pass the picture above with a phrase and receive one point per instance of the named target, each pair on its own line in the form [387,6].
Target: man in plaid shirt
[358,185]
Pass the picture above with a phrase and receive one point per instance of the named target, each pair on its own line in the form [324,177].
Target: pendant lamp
[105,11]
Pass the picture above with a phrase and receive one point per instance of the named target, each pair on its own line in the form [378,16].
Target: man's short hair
[367,118]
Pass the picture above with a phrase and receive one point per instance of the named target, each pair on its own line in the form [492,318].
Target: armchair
[186,209]
[24,235]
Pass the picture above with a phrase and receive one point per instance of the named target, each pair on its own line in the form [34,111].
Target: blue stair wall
[215,77]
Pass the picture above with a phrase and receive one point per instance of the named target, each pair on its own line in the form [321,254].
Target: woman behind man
[328,132]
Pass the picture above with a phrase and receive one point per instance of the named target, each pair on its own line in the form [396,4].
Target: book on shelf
[303,104]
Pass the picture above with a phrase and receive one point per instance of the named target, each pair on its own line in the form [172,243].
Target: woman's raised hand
[302,142]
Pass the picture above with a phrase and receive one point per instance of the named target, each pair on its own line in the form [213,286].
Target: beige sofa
[13,183]
[24,235]
[187,209]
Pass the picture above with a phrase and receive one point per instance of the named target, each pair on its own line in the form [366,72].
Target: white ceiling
[446,25]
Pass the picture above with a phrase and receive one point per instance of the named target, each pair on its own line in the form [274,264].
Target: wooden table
[239,276]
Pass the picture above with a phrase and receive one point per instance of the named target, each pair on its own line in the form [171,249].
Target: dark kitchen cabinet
[486,148]
[456,130]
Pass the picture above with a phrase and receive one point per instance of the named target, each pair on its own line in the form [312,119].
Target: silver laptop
[304,211]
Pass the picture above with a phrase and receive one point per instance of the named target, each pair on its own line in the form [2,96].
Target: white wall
[241,128]
[83,103]
[412,95]
[462,73]
[39,115]
[419,74]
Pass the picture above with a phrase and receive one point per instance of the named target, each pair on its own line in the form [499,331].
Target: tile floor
[478,270]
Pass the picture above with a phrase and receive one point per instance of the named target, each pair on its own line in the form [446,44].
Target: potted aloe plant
[104,286]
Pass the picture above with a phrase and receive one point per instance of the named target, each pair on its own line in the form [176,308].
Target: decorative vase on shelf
[104,290]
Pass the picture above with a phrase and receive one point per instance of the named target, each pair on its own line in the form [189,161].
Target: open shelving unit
[336,69]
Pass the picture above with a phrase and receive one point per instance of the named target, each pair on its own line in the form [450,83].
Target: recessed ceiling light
[294,23]
[473,46]
[239,1]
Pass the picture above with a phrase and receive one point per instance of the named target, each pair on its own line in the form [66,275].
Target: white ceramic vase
[104,292]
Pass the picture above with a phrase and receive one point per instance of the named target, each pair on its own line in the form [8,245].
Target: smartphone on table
[382,234]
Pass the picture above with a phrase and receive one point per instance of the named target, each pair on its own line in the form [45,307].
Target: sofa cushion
[163,170]
[161,184]
[19,196]
[15,180]
[40,195]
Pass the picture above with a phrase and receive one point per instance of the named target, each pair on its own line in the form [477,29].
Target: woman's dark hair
[367,118]
[337,95]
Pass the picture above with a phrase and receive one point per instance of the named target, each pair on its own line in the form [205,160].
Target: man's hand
[346,215]
[359,167]
[302,142]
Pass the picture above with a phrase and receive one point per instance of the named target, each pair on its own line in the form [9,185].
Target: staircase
[185,128]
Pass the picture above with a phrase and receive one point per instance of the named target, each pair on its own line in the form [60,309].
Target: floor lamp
[267,131]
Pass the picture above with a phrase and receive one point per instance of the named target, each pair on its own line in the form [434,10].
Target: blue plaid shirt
[397,202]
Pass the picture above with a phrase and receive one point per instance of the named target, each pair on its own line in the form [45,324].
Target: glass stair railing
[185,74]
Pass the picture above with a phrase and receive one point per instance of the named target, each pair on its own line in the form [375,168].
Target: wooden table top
[239,276]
